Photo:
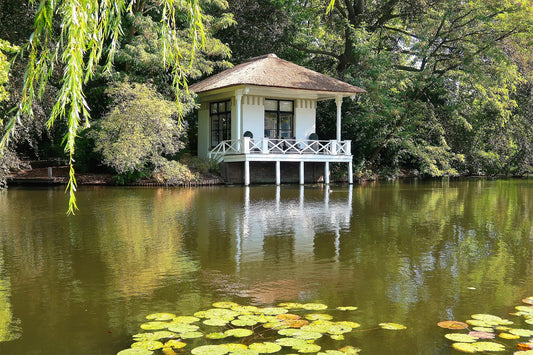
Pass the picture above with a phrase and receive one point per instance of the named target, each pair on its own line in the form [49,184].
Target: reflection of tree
[7,326]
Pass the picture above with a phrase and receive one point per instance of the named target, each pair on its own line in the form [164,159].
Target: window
[279,117]
[220,114]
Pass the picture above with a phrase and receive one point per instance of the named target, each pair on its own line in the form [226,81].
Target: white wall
[253,110]
[305,118]
[203,130]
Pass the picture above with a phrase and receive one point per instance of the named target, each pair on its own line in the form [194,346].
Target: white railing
[280,146]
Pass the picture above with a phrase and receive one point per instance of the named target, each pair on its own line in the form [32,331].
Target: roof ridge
[264,56]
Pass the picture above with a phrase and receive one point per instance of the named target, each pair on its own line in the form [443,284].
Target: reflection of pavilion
[289,227]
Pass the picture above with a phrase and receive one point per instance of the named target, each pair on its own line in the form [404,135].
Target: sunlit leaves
[392,326]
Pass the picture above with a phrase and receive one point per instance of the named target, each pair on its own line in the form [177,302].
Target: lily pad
[244,322]
[216,335]
[487,318]
[145,336]
[465,347]
[508,336]
[291,305]
[245,309]
[347,308]
[488,346]
[295,323]
[222,313]
[392,326]
[185,319]
[483,329]
[308,348]
[482,335]
[160,316]
[287,332]
[481,323]
[191,335]
[319,316]
[136,351]
[273,310]
[163,334]
[302,334]
[522,332]
[348,324]
[216,322]
[290,342]
[460,338]
[528,300]
[452,324]
[210,350]
[265,348]
[350,350]
[235,346]
[176,344]
[225,304]
[314,306]
[154,325]
[288,316]
[147,344]
[238,332]
[337,337]
[337,329]
[182,328]
[331,352]
[244,352]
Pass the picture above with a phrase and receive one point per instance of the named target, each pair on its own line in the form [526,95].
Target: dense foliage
[449,83]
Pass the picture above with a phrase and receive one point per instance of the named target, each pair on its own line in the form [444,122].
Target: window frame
[279,113]
[222,131]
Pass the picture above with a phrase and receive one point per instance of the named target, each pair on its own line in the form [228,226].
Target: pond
[411,252]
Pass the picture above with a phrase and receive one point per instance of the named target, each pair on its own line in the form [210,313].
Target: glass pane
[285,123]
[271,105]
[271,120]
[222,107]
[285,106]
[214,108]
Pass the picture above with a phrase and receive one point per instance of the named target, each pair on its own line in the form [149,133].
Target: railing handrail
[280,146]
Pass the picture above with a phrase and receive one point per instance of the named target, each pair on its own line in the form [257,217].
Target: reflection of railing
[280,146]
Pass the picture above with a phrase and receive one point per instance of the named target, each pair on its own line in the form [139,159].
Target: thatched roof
[271,71]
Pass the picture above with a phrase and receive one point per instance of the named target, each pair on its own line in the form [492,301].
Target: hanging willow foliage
[90,31]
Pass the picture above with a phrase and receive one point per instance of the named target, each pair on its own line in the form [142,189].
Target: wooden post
[50,172]
[326,172]
[302,173]
[278,173]
[338,101]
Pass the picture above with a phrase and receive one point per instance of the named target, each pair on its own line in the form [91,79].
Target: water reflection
[413,253]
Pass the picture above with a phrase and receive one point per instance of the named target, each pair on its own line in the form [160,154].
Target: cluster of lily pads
[230,328]
[479,333]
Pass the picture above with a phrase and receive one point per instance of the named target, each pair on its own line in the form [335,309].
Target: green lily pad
[529,321]
[337,337]
[216,335]
[182,328]
[163,334]
[350,350]
[508,336]
[481,323]
[486,317]
[244,322]
[265,348]
[147,344]
[276,325]
[525,309]
[317,327]
[522,332]
[216,322]
[287,332]
[348,324]
[136,351]
[291,305]
[191,335]
[465,347]
[185,319]
[303,334]
[210,350]
[460,338]
[245,309]
[238,332]
[244,352]
[145,336]
[154,325]
[225,304]
[235,346]
[290,342]
[488,346]
[314,306]
[308,348]
[160,316]
[331,352]
[347,308]
[273,310]
[338,329]
[392,326]
[176,344]
[223,313]
[318,316]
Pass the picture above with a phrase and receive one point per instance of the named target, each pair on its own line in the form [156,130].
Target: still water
[413,253]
